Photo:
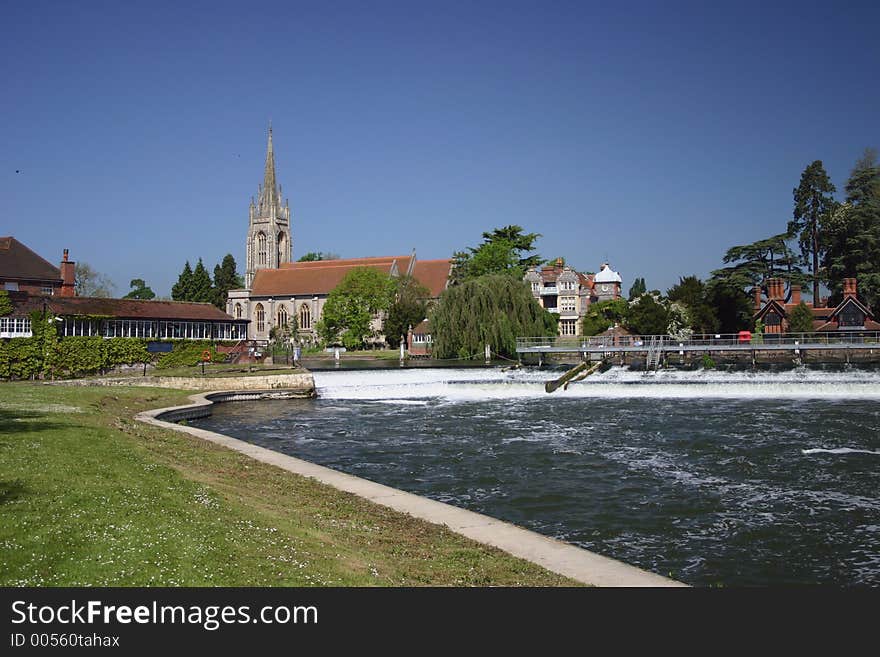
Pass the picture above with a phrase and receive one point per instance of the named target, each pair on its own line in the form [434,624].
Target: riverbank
[91,497]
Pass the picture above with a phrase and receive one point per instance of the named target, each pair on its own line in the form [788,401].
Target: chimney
[773,285]
[68,278]
[758,297]
[849,287]
[795,294]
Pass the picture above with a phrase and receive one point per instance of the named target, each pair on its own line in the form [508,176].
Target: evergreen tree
[852,234]
[691,293]
[638,289]
[503,251]
[201,284]
[494,310]
[812,203]
[139,290]
[410,306]
[314,256]
[182,289]
[225,278]
[754,263]
[801,319]
[731,304]
[647,316]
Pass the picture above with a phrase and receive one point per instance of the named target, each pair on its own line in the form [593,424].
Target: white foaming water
[474,384]
[838,450]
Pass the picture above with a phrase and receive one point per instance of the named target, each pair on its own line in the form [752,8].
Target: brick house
[849,315]
[22,270]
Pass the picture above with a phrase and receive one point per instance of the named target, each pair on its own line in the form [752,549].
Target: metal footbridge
[655,346]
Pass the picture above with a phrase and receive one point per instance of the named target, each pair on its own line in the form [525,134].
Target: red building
[849,315]
[22,270]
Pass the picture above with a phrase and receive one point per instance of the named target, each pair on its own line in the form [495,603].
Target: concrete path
[557,556]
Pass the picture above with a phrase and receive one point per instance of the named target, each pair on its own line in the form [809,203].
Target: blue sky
[651,134]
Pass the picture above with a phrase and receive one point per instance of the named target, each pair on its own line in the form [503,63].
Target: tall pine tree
[182,289]
[201,284]
[225,278]
[852,234]
[812,203]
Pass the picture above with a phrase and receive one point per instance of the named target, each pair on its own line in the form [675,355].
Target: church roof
[433,274]
[18,261]
[319,277]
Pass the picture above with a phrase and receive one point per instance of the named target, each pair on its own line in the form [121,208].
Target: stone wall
[301,384]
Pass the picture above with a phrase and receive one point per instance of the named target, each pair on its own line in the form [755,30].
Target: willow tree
[494,310]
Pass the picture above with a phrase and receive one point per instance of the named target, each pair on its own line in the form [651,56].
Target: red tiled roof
[433,274]
[319,277]
[121,308]
[18,261]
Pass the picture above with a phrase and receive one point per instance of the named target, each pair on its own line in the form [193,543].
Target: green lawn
[88,496]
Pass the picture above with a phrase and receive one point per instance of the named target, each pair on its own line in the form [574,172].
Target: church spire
[269,195]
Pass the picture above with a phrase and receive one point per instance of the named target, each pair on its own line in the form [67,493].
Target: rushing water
[712,478]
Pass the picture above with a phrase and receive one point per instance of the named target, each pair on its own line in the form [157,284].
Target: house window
[567,326]
[238,311]
[260,314]
[567,305]
[536,287]
[47,290]
[851,316]
[261,248]
[772,319]
[305,317]
[11,287]
[282,317]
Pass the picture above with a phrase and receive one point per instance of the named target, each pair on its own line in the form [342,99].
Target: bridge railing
[715,341]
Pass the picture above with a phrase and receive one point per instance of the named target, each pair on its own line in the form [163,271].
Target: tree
[494,309]
[731,305]
[603,315]
[812,203]
[351,306]
[182,289]
[314,256]
[90,283]
[638,289]
[6,306]
[503,251]
[647,316]
[756,262]
[410,306]
[139,290]
[851,234]
[225,278]
[201,289]
[700,314]
[801,319]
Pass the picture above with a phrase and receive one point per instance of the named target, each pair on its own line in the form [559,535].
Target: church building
[281,293]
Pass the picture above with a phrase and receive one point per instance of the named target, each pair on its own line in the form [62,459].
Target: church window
[279,255]
[305,317]
[282,317]
[261,248]
[238,311]
[260,315]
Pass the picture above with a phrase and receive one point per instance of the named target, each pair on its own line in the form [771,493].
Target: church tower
[268,240]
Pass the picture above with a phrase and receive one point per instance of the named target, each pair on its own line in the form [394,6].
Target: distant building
[849,315]
[563,291]
[123,318]
[22,270]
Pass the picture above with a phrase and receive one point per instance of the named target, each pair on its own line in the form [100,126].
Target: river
[712,478]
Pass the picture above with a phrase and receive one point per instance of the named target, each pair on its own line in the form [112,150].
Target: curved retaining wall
[563,558]
[300,384]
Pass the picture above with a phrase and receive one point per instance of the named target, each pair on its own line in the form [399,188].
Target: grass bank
[88,496]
